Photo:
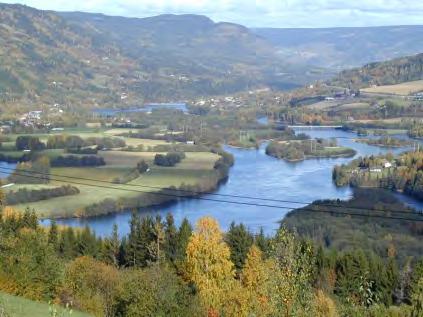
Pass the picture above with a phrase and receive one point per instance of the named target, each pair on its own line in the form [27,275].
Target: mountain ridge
[93,60]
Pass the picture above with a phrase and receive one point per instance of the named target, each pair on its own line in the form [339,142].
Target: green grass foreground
[15,306]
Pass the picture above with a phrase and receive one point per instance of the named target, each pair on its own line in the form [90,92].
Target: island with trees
[385,141]
[298,150]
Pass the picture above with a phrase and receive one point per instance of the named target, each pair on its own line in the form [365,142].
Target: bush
[32,172]
[26,142]
[170,159]
[24,195]
[77,161]
[142,167]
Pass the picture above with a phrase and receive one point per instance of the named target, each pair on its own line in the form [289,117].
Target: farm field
[406,88]
[337,105]
[20,307]
[98,184]
[92,192]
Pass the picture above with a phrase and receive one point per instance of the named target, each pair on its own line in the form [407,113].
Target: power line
[203,193]
[244,203]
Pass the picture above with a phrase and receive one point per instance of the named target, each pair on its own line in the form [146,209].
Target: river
[256,175]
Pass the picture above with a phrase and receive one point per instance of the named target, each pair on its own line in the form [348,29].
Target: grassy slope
[21,307]
[406,88]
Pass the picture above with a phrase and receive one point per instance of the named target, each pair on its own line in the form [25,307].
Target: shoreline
[308,157]
[160,198]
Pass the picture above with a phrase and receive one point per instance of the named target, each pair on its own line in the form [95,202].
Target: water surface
[256,175]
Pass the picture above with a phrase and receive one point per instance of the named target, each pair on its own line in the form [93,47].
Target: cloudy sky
[254,13]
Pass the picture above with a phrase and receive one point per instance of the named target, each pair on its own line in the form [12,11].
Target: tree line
[160,269]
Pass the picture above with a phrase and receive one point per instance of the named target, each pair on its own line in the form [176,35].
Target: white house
[387,164]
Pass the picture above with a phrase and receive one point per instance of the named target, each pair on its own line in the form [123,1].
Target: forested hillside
[92,59]
[345,47]
[384,73]
[162,270]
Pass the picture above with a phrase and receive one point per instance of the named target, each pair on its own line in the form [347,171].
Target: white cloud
[271,13]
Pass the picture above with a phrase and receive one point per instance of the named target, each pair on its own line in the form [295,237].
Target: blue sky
[258,13]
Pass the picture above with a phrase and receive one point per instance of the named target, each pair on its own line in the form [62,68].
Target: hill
[342,48]
[391,72]
[187,52]
[346,232]
[45,59]
[93,59]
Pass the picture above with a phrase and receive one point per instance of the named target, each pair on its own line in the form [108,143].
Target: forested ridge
[403,173]
[383,73]
[160,269]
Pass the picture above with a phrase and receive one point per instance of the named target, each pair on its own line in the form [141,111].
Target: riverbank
[157,187]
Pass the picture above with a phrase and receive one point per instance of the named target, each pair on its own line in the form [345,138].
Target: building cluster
[384,164]
[221,102]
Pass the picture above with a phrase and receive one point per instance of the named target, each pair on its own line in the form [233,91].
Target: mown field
[97,184]
[406,88]
[338,105]
[15,306]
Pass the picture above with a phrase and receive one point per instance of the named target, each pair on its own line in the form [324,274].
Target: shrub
[77,161]
[170,159]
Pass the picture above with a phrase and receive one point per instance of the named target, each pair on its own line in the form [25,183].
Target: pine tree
[53,235]
[155,248]
[132,247]
[239,241]
[146,237]
[184,234]
[67,245]
[262,242]
[87,243]
[171,239]
[111,248]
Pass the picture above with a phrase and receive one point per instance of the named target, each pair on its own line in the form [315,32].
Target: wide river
[255,175]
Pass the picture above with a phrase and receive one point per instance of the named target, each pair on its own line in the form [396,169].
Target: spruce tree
[53,235]
[131,250]
[239,240]
[111,248]
[171,239]
[262,242]
[184,234]
[67,245]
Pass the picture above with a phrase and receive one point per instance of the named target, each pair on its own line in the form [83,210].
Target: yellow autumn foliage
[208,264]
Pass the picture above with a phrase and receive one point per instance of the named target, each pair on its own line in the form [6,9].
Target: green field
[97,184]
[406,88]
[20,307]
[188,173]
[196,168]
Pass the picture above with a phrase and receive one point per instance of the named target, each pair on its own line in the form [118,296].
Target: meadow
[406,88]
[99,184]
[16,306]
